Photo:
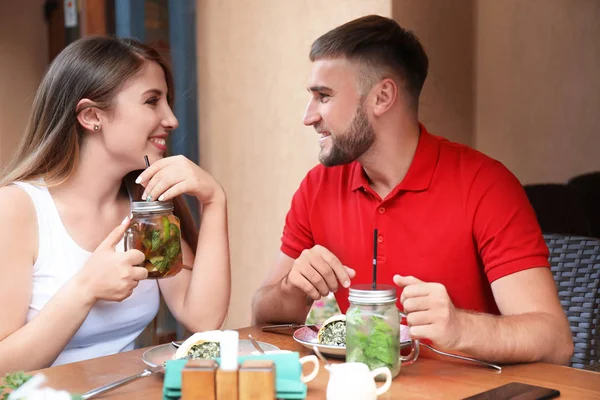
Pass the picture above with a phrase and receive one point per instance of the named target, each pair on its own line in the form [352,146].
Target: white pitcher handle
[315,361]
[388,379]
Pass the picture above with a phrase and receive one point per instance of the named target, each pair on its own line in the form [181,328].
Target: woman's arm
[26,346]
[199,298]
[106,275]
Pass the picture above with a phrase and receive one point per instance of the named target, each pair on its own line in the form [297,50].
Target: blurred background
[516,79]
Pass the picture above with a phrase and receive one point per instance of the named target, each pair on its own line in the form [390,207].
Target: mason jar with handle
[155,231]
[373,329]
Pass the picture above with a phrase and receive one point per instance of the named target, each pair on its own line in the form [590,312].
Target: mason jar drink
[373,329]
[155,231]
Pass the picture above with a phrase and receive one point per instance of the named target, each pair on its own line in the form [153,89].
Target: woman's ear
[386,93]
[88,115]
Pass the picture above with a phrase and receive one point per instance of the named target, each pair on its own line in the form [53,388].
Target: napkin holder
[198,380]
[288,372]
[257,380]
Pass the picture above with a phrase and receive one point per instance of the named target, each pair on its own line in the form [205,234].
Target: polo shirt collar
[419,173]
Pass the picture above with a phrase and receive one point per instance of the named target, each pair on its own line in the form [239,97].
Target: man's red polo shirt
[458,218]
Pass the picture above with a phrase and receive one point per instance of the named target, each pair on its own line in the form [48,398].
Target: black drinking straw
[375,259]
[147,165]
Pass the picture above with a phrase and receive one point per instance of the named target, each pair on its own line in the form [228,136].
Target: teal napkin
[287,376]
[172,382]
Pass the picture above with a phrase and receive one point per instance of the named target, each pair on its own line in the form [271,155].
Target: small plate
[308,338]
[159,354]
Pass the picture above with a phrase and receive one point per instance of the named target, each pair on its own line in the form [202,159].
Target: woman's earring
[96,128]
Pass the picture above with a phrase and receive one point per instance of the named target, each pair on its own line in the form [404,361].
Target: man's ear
[385,93]
[88,115]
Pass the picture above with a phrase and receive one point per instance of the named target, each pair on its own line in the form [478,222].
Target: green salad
[205,350]
[15,380]
[333,334]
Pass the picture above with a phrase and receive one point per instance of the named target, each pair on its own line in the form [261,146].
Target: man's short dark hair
[381,46]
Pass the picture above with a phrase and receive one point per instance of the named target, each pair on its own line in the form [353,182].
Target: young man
[456,231]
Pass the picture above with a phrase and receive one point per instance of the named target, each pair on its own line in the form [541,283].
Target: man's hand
[317,272]
[430,312]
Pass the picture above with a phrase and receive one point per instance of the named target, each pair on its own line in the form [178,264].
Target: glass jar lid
[151,206]
[365,294]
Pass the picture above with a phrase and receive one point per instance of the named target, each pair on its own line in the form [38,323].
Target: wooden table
[428,378]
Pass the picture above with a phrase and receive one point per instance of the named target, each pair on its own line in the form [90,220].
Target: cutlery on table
[111,386]
[464,358]
[255,344]
[321,356]
[288,329]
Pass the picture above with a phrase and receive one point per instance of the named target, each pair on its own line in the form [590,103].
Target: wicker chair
[575,264]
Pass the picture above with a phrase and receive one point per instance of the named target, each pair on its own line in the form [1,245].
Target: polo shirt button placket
[379,218]
[382,253]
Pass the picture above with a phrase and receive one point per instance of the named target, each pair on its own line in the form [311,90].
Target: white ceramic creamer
[354,381]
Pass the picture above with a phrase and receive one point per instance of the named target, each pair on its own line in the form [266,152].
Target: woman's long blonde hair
[94,68]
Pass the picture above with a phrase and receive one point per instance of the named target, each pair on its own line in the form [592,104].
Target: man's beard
[346,148]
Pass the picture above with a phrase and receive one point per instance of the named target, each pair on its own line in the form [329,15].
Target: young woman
[68,291]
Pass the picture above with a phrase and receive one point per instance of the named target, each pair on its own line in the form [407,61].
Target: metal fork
[443,353]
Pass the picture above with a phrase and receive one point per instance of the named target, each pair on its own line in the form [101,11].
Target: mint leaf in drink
[157,262]
[355,318]
[173,248]
[174,231]
[357,341]
[381,351]
[378,348]
[156,242]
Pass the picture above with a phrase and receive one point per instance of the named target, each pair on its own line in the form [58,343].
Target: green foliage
[13,381]
[16,380]
[377,349]
[156,242]
[166,243]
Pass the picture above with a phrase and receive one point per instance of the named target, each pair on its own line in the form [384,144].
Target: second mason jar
[155,231]
[373,328]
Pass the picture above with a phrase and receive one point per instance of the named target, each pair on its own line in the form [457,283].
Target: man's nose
[311,115]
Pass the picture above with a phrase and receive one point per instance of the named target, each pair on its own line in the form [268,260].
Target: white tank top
[110,327]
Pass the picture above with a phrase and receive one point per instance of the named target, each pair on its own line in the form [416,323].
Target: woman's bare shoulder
[17,211]
[16,203]
[18,245]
